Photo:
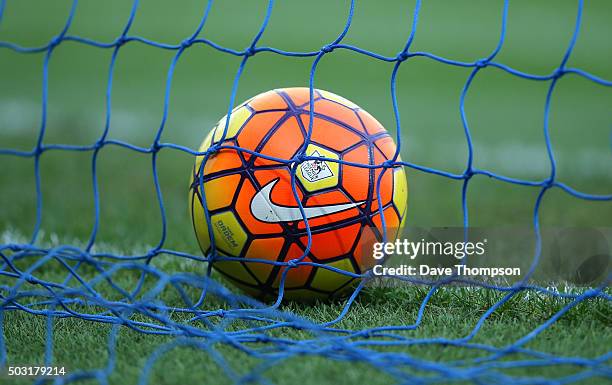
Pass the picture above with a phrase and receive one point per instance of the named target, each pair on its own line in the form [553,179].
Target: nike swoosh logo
[265,210]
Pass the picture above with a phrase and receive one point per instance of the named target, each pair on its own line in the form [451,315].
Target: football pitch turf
[505,115]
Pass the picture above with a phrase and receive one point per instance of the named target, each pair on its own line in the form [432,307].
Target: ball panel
[392,222]
[235,270]
[198,219]
[362,252]
[356,180]
[371,125]
[220,191]
[267,249]
[298,276]
[400,190]
[387,146]
[222,161]
[254,131]
[207,142]
[300,96]
[334,243]
[283,144]
[229,235]
[338,99]
[205,145]
[330,281]
[330,134]
[337,112]
[270,100]
[237,119]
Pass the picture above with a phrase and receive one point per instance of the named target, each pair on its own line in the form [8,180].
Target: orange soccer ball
[253,210]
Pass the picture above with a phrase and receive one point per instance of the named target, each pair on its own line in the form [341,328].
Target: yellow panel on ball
[206,143]
[400,190]
[338,99]
[229,234]
[199,221]
[328,280]
[239,116]
[220,191]
[235,270]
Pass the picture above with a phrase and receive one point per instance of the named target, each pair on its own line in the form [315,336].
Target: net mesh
[142,309]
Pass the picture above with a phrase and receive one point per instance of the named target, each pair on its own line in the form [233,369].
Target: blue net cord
[57,300]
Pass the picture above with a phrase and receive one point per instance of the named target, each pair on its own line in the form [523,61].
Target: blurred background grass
[505,113]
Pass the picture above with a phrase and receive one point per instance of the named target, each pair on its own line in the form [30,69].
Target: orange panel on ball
[300,95]
[220,191]
[356,180]
[253,132]
[267,249]
[372,125]
[364,249]
[392,221]
[222,160]
[337,112]
[387,146]
[333,243]
[330,134]
[297,276]
[284,143]
[270,100]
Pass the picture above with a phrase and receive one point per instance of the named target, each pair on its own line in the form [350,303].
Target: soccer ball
[251,201]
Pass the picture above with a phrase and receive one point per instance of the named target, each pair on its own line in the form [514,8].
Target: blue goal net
[209,316]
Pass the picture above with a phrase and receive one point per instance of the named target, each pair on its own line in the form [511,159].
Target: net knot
[214,148]
[292,263]
[219,313]
[299,158]
[55,42]
[121,40]
[28,278]
[482,63]
[388,164]
[402,56]
[249,52]
[155,147]
[558,73]
[151,253]
[327,48]
[550,182]
[186,43]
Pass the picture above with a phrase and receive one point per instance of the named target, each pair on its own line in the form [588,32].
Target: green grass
[505,114]
[450,314]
